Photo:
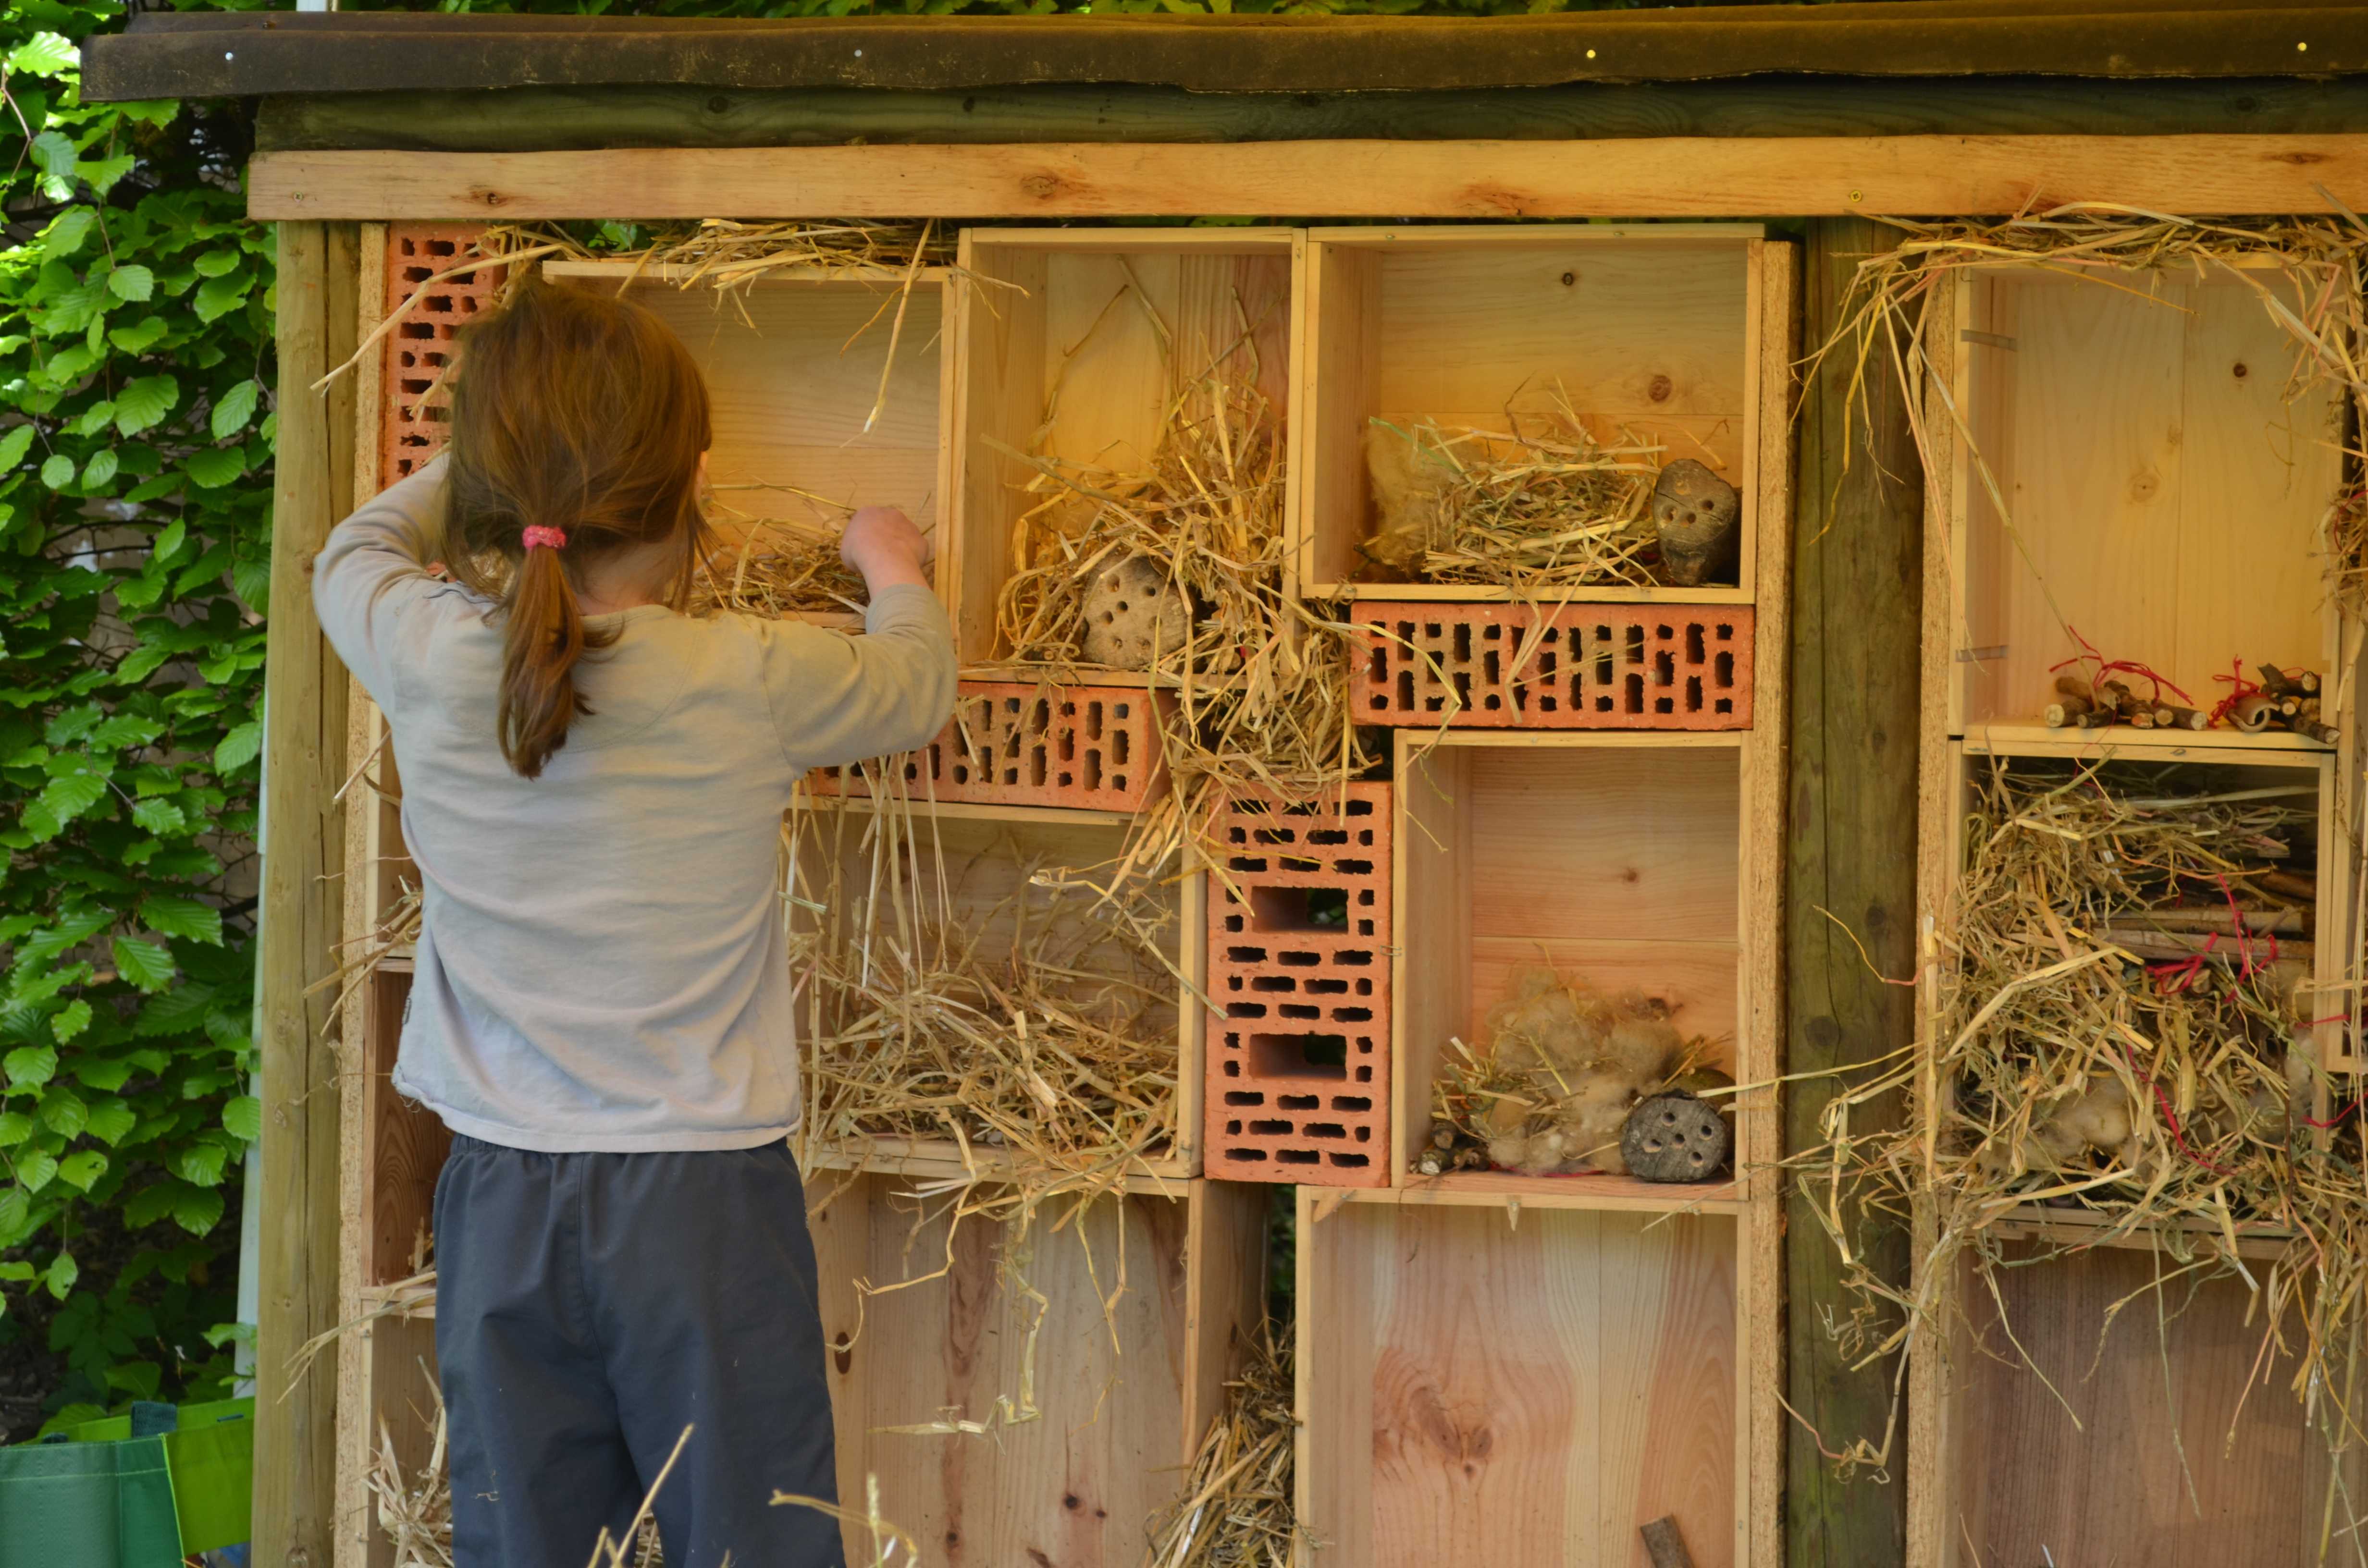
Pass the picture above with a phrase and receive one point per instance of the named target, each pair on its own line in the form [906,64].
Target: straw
[1237,1509]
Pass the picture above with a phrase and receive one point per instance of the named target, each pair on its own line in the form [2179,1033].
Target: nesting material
[779,568]
[2118,1025]
[1237,1508]
[1552,1092]
[1046,1054]
[1260,678]
[1548,506]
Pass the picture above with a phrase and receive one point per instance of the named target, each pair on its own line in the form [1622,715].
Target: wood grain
[2149,1394]
[1486,1394]
[1646,176]
[303,911]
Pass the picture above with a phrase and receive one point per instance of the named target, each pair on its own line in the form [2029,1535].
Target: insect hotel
[1651,852]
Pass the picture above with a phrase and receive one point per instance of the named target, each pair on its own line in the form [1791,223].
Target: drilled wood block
[1575,666]
[1010,744]
[1299,974]
[414,407]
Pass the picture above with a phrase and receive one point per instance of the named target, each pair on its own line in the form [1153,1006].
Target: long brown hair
[579,412]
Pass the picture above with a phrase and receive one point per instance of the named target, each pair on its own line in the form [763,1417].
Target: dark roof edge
[254,53]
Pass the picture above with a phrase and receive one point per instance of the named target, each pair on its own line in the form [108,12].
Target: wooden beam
[305,694]
[538,120]
[206,55]
[1652,177]
[1856,659]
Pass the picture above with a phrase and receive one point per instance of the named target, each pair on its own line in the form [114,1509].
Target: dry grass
[1237,1510]
[1538,509]
[2114,1024]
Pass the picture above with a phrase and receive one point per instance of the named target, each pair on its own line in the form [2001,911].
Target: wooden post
[1857,613]
[305,697]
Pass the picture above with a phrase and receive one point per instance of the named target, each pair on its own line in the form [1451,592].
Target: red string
[2338,1116]
[2239,689]
[2170,1118]
[2119,666]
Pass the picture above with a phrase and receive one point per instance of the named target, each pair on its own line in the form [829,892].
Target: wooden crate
[1124,1391]
[1055,351]
[1680,333]
[986,853]
[2166,502]
[1633,861]
[793,362]
[1475,1391]
[2165,499]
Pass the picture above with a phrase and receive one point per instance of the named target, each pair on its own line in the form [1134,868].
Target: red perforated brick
[1593,666]
[411,421]
[1094,747]
[1299,970]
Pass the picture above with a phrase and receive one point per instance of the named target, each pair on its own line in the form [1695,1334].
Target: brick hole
[1328,835]
[1323,1129]
[1406,691]
[1092,770]
[1271,1129]
[1349,1102]
[1694,650]
[1274,982]
[1693,693]
[1364,988]
[1233,1068]
[1244,1096]
[1298,1157]
[1234,1128]
[1246,1009]
[1352,1015]
[1326,987]
[1245,955]
[1299,959]
[1725,667]
[1299,909]
[1347,1162]
[1665,668]
[1303,1102]
[1634,689]
[1299,1056]
[1633,646]
[1301,1011]
[1253,1153]
[1093,720]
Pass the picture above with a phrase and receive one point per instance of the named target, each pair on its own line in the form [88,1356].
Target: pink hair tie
[550,538]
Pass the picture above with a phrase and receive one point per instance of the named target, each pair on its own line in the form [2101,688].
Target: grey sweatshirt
[602,963]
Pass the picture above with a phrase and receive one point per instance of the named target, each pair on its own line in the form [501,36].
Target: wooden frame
[1125,1390]
[1997,1468]
[1048,348]
[1705,177]
[979,837]
[1653,329]
[796,362]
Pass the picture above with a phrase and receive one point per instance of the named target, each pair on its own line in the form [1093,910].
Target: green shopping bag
[105,1505]
[199,1458]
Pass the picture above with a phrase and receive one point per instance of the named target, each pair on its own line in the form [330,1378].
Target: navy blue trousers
[588,1308]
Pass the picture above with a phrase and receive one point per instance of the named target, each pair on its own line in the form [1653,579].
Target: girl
[593,784]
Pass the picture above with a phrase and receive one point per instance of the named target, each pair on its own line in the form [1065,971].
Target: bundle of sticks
[2285,700]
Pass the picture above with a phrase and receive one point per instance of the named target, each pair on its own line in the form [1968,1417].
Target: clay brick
[1299,1045]
[412,422]
[1594,666]
[1011,743]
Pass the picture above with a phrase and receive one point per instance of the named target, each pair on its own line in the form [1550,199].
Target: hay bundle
[1237,1510]
[1037,1035]
[1548,508]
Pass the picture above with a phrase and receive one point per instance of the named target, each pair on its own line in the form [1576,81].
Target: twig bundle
[415,1512]
[1237,1510]
[777,569]
[1536,510]
[2120,1027]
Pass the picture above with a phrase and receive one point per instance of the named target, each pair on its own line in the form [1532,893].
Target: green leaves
[239,747]
[242,1118]
[144,964]
[142,403]
[29,1066]
[131,282]
[44,54]
[178,917]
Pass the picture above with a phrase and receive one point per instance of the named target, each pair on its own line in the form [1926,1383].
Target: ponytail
[576,412]
[542,637]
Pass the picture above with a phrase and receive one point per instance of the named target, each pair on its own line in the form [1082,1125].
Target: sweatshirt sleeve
[369,579]
[838,699]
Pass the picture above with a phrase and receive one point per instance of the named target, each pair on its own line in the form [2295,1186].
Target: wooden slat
[304,855]
[172,56]
[1850,876]
[1651,176]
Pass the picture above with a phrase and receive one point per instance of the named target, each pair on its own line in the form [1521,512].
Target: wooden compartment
[2171,1439]
[2166,497]
[985,854]
[1660,330]
[1620,859]
[793,362]
[1123,1393]
[1056,352]
[1478,1393]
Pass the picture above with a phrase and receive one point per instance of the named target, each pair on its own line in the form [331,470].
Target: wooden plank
[1431,996]
[1855,702]
[172,56]
[548,119]
[1760,1053]
[302,915]
[1646,177]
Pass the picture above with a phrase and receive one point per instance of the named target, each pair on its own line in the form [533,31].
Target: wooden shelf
[1608,1193]
[941,1160]
[2211,746]
[861,276]
[2090,1228]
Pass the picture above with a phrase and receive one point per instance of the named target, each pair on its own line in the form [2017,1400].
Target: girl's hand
[883,544]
